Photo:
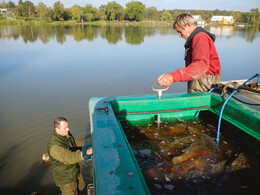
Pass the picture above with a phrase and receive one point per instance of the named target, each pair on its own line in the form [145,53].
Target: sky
[228,5]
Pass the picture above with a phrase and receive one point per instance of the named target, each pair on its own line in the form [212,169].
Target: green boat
[116,169]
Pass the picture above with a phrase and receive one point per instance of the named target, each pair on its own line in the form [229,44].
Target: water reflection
[248,33]
[113,34]
[222,31]
[133,35]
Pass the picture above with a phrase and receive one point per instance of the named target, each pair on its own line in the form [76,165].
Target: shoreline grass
[37,21]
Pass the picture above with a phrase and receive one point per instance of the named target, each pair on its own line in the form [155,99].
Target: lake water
[49,71]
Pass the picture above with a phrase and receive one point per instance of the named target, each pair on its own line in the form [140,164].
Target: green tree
[135,10]
[217,12]
[3,4]
[28,9]
[19,8]
[238,17]
[114,11]
[90,13]
[255,16]
[102,12]
[10,4]
[102,8]
[58,10]
[89,16]
[244,18]
[67,15]
[78,13]
[151,12]
[42,11]
[100,15]
[166,16]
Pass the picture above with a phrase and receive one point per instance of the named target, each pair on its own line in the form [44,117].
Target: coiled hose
[222,109]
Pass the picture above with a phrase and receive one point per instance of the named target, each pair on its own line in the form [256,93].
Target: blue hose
[197,114]
[222,109]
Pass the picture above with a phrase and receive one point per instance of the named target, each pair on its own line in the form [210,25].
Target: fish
[201,147]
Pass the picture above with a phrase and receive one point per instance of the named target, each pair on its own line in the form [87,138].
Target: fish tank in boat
[171,145]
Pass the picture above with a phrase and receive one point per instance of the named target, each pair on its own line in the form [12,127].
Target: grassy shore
[36,21]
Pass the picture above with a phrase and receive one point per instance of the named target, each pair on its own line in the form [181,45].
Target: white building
[222,20]
[199,19]
[3,11]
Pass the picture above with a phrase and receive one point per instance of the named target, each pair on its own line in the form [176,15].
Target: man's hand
[89,151]
[165,80]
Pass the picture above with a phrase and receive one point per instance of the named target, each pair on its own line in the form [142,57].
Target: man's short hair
[58,120]
[183,19]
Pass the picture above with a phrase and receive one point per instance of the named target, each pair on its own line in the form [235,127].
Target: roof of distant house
[228,18]
[196,17]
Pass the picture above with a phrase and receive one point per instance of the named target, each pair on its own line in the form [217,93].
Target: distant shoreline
[35,21]
[68,22]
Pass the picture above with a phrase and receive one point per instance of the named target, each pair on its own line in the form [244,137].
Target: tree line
[112,11]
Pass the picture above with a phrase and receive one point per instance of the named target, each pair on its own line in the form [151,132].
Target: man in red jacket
[202,69]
